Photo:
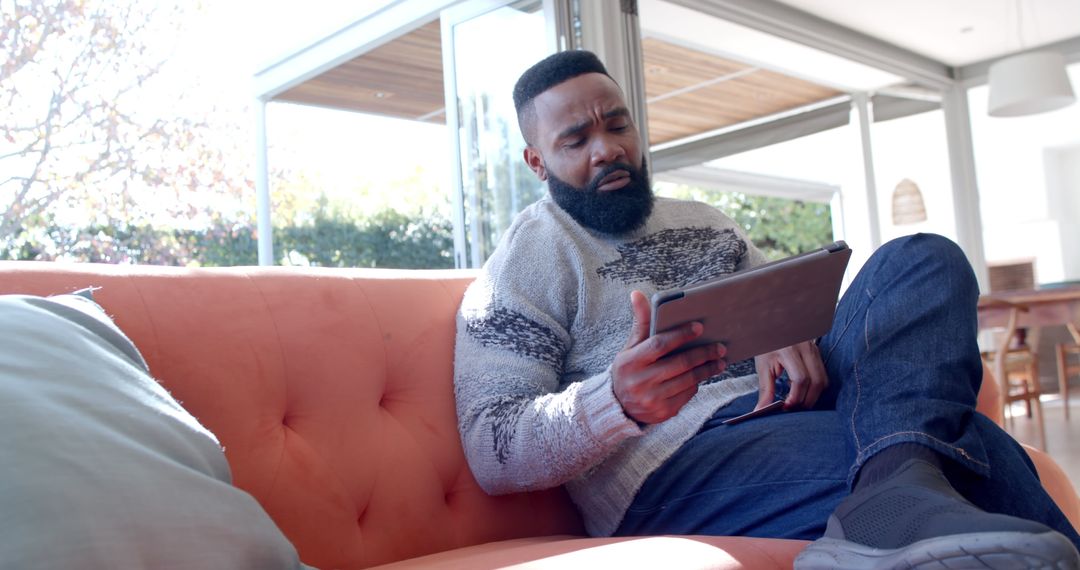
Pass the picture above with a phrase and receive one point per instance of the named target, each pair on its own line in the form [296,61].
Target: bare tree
[73,138]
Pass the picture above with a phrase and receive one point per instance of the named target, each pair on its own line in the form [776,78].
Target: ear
[535,162]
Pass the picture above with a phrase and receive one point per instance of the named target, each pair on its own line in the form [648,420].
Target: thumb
[639,304]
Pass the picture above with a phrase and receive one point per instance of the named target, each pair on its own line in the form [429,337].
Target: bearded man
[879,454]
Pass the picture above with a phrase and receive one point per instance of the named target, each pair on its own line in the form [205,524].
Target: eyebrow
[577,128]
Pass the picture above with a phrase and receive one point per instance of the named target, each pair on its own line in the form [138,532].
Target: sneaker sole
[993,550]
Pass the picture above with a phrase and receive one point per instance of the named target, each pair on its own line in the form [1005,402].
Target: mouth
[614,181]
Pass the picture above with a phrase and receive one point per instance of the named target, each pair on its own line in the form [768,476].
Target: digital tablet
[761,309]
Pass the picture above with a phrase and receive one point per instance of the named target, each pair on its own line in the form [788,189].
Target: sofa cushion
[1057,484]
[101,467]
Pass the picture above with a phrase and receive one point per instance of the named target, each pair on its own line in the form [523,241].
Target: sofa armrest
[1057,484]
[1053,477]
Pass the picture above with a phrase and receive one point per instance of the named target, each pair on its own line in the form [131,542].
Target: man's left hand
[805,369]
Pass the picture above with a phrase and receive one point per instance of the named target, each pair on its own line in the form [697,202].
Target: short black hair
[548,73]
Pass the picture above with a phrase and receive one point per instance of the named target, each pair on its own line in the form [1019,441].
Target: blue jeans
[903,366]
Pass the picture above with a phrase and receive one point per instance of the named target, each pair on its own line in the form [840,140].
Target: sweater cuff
[602,412]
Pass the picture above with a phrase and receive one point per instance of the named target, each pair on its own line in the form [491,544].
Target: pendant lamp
[1029,83]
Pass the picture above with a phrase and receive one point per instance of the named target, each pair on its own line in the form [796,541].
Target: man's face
[585,145]
[611,212]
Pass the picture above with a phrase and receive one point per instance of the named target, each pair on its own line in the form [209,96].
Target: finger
[766,382]
[678,400]
[639,305]
[819,378]
[695,376]
[660,345]
[666,399]
[675,365]
[797,375]
[690,379]
[667,408]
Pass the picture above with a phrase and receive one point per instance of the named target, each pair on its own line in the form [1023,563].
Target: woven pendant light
[907,204]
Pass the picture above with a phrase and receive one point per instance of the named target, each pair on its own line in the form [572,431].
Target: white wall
[1063,197]
[1028,184]
[916,148]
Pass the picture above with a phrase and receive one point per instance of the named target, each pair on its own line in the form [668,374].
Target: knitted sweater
[538,331]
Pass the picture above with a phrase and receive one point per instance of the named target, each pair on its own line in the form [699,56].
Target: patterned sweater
[538,331]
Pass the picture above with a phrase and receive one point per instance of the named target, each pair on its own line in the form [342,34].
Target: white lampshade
[1029,83]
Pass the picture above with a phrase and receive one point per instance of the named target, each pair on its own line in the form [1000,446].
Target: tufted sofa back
[331,392]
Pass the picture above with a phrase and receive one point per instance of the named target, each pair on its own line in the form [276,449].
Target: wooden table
[1045,307]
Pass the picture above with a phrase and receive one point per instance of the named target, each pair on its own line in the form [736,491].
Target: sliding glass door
[486,46]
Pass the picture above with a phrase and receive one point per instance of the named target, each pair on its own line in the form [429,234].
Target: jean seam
[855,407]
[959,450]
[855,369]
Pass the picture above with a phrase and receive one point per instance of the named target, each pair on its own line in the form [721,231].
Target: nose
[606,150]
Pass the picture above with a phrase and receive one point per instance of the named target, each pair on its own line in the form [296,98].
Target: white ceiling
[954,32]
[683,26]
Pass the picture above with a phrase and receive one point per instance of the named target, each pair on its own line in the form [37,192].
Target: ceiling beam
[977,73]
[795,25]
[776,129]
[726,180]
[887,108]
[764,132]
[351,41]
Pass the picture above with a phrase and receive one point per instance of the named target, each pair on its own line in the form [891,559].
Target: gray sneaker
[916,520]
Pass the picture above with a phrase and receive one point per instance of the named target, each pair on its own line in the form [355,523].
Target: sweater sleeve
[521,429]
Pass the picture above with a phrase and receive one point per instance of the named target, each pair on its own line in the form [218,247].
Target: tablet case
[761,309]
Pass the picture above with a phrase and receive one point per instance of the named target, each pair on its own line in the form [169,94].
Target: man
[879,448]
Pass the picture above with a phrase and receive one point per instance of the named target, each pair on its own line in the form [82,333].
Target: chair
[1021,379]
[1022,367]
[1021,359]
[1066,366]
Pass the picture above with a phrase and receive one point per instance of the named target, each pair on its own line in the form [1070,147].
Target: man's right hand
[651,383]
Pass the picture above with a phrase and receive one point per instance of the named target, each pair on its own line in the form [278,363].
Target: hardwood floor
[1062,436]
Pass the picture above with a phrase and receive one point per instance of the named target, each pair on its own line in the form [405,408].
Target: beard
[612,212]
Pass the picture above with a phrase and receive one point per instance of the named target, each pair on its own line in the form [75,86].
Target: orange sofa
[331,392]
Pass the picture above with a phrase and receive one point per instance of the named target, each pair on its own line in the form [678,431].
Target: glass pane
[354,189]
[778,226]
[490,52]
[914,184]
[782,227]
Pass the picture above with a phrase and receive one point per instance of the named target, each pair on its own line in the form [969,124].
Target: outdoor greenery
[386,239]
[778,227]
[90,172]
